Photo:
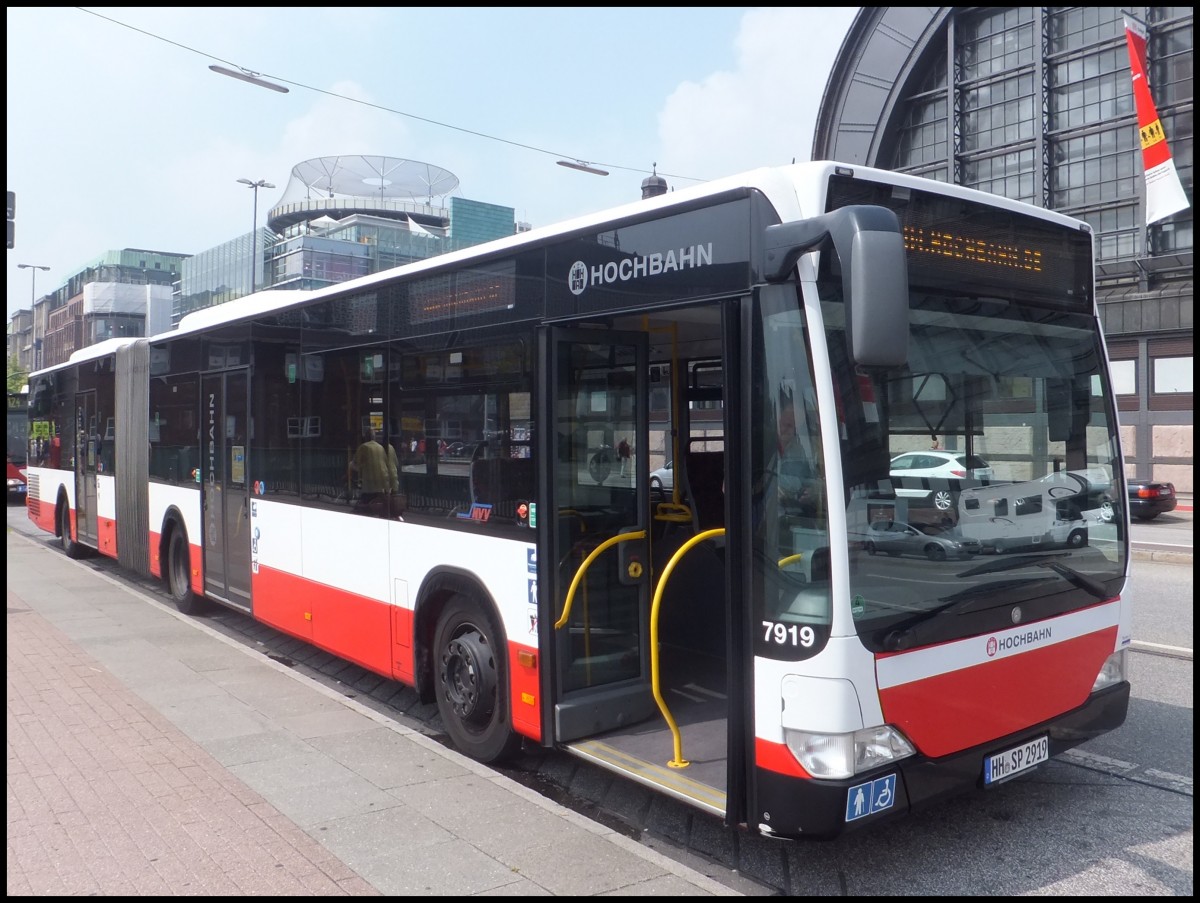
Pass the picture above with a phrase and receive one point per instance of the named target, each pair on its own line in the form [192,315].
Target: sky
[119,136]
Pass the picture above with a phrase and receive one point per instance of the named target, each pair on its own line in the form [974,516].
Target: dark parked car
[16,482]
[1150,498]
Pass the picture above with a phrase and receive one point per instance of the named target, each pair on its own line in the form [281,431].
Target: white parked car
[663,479]
[937,476]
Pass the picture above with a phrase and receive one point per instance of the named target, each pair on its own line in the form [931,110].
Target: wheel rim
[469,677]
[936,553]
[942,500]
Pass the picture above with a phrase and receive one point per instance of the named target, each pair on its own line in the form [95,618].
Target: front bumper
[806,808]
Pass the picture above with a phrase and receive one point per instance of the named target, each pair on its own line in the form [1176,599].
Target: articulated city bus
[415,471]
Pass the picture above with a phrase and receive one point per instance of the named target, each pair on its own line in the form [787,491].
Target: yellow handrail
[679,761]
[673,512]
[608,543]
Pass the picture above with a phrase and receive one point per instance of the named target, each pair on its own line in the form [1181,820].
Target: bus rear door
[225,486]
[87,431]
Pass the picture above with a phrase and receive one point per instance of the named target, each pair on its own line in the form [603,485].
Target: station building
[1036,104]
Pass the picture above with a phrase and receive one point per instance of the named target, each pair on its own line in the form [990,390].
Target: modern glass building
[339,218]
[1036,104]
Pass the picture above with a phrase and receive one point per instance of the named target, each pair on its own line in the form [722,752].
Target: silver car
[894,537]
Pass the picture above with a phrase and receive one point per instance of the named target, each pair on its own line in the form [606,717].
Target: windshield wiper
[1008,563]
[902,634]
[1043,560]
[1083,581]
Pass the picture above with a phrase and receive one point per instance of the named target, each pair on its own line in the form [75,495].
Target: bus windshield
[983,477]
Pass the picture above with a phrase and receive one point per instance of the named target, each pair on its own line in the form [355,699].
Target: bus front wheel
[472,696]
[179,573]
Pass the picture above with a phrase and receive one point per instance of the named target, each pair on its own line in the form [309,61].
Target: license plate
[1005,765]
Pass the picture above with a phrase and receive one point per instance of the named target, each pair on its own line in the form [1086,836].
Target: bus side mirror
[870,251]
[877,302]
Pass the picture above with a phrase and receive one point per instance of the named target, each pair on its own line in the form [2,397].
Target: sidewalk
[148,755]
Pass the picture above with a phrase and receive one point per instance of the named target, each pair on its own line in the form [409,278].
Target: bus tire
[179,573]
[943,500]
[471,682]
[1077,538]
[72,548]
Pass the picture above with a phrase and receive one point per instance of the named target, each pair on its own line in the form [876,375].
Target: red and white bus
[778,337]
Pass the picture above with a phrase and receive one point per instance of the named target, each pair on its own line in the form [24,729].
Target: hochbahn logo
[581,276]
[1016,641]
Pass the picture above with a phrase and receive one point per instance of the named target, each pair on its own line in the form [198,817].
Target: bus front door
[225,434]
[595,399]
[87,457]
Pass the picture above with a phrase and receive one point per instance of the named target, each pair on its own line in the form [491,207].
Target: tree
[18,376]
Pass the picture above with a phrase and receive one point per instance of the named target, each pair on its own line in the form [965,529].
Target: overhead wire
[385,109]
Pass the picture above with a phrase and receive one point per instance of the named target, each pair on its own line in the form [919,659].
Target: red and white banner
[1164,193]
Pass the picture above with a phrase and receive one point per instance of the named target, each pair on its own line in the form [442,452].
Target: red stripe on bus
[155,557]
[964,708]
[106,536]
[196,559]
[350,626]
[42,514]
[526,704]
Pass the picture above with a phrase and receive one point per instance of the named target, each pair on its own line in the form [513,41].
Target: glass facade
[1037,104]
[312,254]
[1055,127]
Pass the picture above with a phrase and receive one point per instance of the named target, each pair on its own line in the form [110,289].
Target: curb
[1163,556]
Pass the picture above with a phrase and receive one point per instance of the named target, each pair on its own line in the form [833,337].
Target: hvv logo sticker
[874,796]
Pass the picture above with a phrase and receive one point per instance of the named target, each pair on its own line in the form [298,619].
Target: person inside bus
[792,468]
[378,471]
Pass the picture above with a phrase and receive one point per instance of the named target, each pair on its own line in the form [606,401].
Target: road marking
[1161,649]
[1164,780]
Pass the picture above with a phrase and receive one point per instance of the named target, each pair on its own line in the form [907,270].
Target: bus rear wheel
[70,546]
[179,573]
[472,694]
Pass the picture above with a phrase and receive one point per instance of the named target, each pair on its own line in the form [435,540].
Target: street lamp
[254,186]
[583,166]
[247,76]
[37,343]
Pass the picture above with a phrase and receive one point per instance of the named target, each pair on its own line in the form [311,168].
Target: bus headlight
[1114,670]
[845,755]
